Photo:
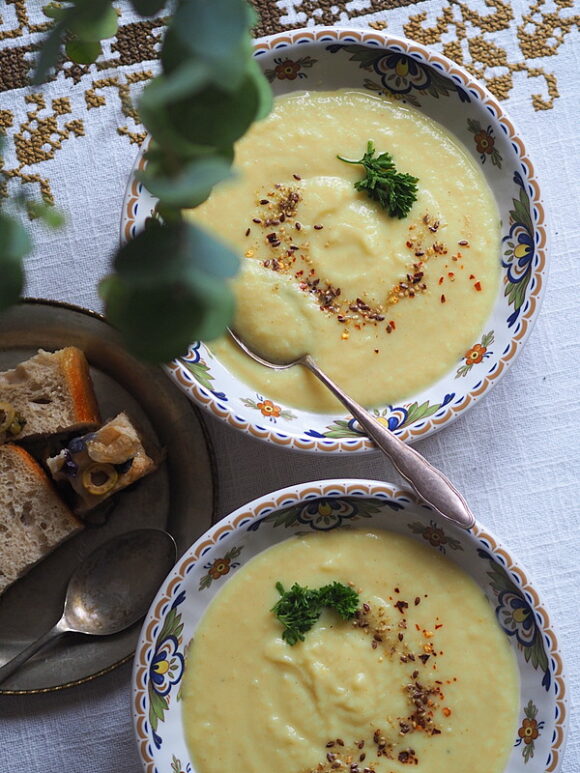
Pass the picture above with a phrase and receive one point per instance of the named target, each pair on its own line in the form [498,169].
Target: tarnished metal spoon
[110,590]
[431,485]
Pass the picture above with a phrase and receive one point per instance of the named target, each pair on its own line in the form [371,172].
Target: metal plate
[178,497]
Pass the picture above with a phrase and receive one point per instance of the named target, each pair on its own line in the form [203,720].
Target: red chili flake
[440,280]
[442,299]
[446,711]
[397,590]
[376,351]
[392,324]
[451,275]
[472,276]
[463,243]
[477,286]
[401,606]
[400,636]
[247,231]
[296,176]
[417,600]
[409,245]
[256,220]
[439,626]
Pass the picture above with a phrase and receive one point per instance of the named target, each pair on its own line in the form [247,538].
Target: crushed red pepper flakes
[477,286]
[442,299]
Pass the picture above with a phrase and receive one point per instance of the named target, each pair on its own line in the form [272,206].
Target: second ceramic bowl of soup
[450,662]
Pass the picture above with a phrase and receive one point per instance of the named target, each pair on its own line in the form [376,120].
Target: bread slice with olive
[99,464]
[33,518]
[48,394]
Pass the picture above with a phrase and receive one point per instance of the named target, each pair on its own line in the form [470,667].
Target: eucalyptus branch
[169,286]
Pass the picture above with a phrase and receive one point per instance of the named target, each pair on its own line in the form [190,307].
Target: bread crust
[42,478]
[35,520]
[76,371]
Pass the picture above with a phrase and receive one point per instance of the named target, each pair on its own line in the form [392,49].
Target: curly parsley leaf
[395,191]
[299,608]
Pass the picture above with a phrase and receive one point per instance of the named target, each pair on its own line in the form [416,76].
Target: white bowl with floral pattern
[332,58]
[539,738]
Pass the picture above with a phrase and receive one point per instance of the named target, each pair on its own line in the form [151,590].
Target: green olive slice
[7,416]
[99,479]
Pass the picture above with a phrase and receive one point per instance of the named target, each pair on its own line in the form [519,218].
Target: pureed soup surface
[386,306]
[425,651]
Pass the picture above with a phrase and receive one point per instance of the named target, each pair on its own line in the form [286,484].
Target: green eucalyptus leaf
[48,213]
[169,252]
[217,117]
[215,31]
[93,20]
[169,290]
[191,185]
[148,7]
[49,52]
[187,79]
[83,52]
[159,322]
[266,97]
[55,11]
[14,245]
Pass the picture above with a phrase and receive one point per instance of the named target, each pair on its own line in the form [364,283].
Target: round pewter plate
[178,497]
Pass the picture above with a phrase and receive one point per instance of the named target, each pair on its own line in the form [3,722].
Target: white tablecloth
[515,455]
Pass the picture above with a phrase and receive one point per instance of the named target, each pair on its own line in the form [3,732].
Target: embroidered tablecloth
[515,455]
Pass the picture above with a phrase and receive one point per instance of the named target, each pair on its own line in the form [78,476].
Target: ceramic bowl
[324,506]
[332,58]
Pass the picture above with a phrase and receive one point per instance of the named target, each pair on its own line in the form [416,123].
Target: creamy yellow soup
[423,676]
[385,305]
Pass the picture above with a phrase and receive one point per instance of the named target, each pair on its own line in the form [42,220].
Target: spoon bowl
[113,587]
[110,590]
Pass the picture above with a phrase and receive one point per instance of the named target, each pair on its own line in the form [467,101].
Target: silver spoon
[428,482]
[110,590]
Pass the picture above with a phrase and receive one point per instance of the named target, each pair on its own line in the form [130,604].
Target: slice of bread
[33,519]
[101,463]
[49,393]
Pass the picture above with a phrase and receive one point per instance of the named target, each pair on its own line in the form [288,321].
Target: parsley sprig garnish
[300,607]
[395,191]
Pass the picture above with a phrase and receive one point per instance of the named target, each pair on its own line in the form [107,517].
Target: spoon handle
[428,482]
[9,668]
